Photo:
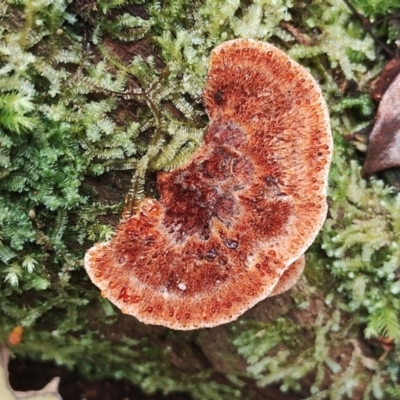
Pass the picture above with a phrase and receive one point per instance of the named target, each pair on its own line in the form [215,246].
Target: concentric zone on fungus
[237,218]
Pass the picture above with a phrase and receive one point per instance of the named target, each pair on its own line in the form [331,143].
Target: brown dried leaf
[385,78]
[384,142]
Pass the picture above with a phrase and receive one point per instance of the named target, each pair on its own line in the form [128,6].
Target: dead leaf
[49,392]
[385,78]
[384,142]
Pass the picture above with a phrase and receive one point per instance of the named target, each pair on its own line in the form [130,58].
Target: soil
[27,375]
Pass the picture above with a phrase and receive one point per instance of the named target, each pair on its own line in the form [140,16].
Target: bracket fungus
[232,225]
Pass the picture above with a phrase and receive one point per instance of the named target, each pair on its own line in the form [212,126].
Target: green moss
[376,8]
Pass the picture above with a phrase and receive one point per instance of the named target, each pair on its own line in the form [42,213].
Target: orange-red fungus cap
[15,336]
[245,208]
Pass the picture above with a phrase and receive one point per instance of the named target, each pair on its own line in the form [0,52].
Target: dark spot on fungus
[211,255]
[218,96]
[231,225]
[231,244]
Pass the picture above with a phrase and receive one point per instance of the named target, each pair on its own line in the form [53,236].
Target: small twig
[385,19]
[298,35]
[367,26]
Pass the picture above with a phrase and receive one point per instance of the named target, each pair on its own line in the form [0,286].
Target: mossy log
[95,98]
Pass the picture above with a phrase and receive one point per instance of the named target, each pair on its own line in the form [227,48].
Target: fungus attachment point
[289,277]
[231,226]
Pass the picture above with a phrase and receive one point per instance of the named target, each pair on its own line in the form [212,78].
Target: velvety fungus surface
[231,226]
